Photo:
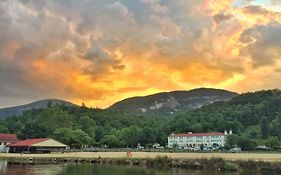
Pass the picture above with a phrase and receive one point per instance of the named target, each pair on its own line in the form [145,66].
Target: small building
[198,140]
[41,145]
[6,139]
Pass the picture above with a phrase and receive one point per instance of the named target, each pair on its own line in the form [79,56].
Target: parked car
[235,149]
[159,147]
[207,149]
[196,149]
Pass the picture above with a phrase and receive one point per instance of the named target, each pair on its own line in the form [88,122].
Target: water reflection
[28,169]
[46,169]
[3,166]
[84,169]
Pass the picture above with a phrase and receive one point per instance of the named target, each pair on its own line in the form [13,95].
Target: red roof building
[36,145]
[28,142]
[195,141]
[6,139]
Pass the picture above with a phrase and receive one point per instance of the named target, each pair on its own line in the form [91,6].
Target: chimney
[225,132]
[230,132]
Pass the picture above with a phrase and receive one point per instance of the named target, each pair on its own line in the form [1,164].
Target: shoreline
[192,161]
[268,157]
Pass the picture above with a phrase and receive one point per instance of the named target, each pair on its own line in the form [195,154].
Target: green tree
[33,130]
[264,127]
[52,118]
[147,136]
[111,141]
[14,125]
[232,140]
[88,125]
[196,127]
[130,136]
[73,137]
[273,142]
[246,144]
[253,132]
[3,127]
[276,125]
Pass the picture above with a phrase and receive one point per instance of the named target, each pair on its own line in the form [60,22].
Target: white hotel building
[195,140]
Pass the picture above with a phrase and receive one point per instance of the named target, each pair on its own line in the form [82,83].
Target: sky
[102,51]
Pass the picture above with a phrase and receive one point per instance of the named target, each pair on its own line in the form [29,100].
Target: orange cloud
[213,7]
[101,52]
[10,48]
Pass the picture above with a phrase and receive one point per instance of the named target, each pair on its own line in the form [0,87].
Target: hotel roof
[197,134]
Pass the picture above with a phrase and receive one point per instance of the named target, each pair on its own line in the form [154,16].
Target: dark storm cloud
[263,43]
[220,17]
[101,62]
[255,9]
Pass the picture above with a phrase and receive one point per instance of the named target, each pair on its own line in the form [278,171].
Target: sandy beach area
[226,156]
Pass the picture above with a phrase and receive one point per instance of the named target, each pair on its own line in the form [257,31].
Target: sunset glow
[99,52]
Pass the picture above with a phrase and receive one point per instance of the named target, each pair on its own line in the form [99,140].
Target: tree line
[255,118]
[78,126]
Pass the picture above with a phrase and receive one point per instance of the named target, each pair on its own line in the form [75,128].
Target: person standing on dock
[129,153]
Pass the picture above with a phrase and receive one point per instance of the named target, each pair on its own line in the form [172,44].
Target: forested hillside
[253,117]
[78,126]
[170,104]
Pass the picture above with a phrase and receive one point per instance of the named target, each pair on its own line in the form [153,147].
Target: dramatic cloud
[263,43]
[222,17]
[101,51]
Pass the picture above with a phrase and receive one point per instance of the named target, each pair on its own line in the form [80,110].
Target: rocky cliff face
[172,103]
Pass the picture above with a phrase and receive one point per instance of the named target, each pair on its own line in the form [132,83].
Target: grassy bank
[143,155]
[217,164]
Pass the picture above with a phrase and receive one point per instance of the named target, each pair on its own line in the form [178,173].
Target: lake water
[86,169]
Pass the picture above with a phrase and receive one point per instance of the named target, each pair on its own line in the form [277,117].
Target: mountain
[254,118]
[161,104]
[172,103]
[18,110]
